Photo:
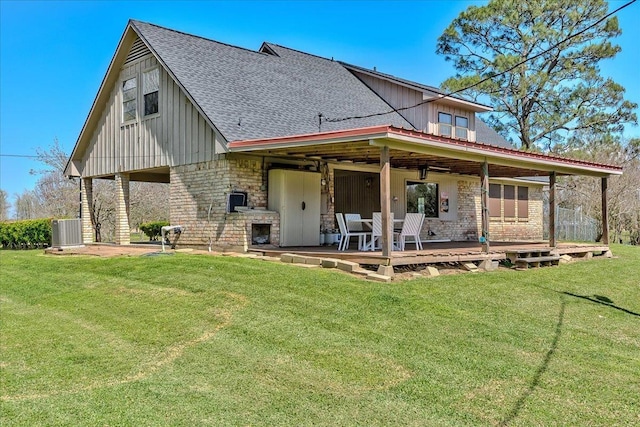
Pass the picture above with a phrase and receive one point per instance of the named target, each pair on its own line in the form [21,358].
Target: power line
[26,156]
[524,61]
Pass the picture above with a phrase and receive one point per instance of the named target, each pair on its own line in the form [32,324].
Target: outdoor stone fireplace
[255,227]
[260,234]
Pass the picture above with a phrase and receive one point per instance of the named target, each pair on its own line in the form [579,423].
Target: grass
[199,340]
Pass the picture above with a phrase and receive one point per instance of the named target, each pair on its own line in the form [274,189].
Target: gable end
[137,51]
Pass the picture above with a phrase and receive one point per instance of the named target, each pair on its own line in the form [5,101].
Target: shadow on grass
[535,381]
[599,299]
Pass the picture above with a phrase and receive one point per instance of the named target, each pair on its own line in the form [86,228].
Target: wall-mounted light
[424,171]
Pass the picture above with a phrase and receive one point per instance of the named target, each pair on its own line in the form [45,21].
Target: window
[509,201]
[504,204]
[129,97]
[422,197]
[462,127]
[523,202]
[150,86]
[444,124]
[495,199]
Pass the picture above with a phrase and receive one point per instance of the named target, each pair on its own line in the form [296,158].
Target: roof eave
[435,94]
[405,140]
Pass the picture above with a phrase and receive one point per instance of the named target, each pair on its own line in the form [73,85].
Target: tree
[4,205]
[537,64]
[623,191]
[149,202]
[27,206]
[58,195]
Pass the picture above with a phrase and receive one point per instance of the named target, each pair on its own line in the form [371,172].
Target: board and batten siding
[437,107]
[176,135]
[424,117]
[400,97]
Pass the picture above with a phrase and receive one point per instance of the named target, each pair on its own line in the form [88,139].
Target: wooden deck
[435,253]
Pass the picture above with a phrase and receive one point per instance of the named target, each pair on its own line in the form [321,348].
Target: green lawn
[200,340]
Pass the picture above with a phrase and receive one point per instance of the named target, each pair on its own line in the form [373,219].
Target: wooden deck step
[536,261]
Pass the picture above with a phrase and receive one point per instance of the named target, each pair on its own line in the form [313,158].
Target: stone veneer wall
[328,219]
[198,199]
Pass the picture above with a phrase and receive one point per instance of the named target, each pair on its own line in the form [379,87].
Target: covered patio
[387,147]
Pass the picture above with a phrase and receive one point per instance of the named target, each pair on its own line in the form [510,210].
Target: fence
[572,225]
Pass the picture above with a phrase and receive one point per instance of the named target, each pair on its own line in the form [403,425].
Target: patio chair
[376,229]
[346,234]
[410,228]
[353,221]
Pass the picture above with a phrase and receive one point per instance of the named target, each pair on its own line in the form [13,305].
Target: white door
[296,196]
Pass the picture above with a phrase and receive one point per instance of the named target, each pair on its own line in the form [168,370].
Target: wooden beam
[484,201]
[552,210]
[385,201]
[605,213]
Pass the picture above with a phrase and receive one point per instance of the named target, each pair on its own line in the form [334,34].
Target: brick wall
[87,200]
[122,235]
[468,225]
[521,229]
[198,199]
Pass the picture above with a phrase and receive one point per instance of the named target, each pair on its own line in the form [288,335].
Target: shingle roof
[486,135]
[249,94]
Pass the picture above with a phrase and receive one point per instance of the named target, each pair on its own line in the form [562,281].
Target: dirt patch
[107,250]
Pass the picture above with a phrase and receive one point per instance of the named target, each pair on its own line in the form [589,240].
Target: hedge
[153,229]
[25,234]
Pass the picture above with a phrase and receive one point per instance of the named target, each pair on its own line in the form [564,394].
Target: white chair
[411,228]
[376,229]
[353,221]
[346,235]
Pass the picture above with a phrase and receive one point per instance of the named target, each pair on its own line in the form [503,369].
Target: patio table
[369,223]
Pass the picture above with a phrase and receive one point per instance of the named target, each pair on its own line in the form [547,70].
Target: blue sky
[54,54]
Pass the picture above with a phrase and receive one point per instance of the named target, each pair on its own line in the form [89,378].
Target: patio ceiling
[363,152]
[415,150]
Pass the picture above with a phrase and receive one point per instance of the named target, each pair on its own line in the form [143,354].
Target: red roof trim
[310,137]
[367,132]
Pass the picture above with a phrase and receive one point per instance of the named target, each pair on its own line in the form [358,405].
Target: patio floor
[434,253]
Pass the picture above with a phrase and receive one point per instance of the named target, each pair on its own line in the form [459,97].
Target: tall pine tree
[540,59]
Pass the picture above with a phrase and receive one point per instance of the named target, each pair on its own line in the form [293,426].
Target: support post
[484,201]
[86,201]
[605,213]
[385,202]
[123,236]
[552,210]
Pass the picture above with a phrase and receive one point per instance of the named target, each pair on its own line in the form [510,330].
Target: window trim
[496,201]
[122,101]
[453,126]
[436,205]
[442,124]
[142,72]
[466,128]
[502,202]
